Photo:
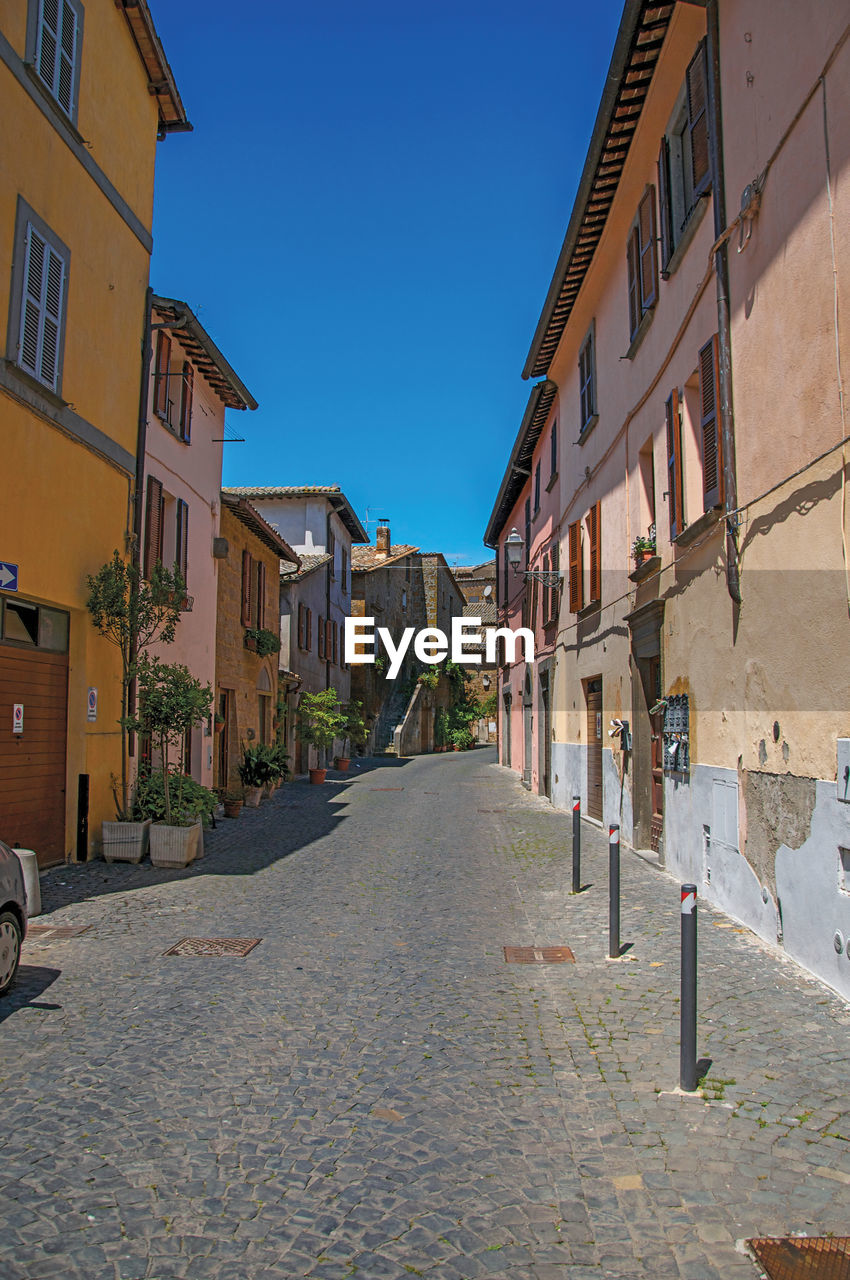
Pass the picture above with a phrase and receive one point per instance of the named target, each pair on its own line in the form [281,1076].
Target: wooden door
[656,723]
[594,749]
[527,731]
[32,763]
[544,746]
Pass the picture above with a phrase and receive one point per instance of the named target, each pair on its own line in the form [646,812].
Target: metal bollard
[688,1001]
[613,891]
[576,844]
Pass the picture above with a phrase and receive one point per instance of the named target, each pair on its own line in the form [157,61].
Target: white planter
[174,846]
[125,841]
[253,795]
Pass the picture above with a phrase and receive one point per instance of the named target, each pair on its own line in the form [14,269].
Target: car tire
[10,949]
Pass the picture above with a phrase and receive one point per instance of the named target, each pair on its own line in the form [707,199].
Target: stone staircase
[389,717]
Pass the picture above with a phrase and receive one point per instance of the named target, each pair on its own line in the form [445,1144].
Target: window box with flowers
[261,641]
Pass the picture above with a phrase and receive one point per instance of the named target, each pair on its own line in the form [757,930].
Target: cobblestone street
[373,1090]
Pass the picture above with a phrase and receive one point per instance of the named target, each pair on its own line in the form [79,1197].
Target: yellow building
[85,91]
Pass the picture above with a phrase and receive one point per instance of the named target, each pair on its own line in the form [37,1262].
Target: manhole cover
[56,930]
[539,955]
[803,1258]
[212,947]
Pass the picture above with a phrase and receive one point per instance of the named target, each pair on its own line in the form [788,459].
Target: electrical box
[676,734]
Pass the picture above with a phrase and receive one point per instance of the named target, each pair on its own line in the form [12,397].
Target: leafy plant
[643,544]
[194,800]
[354,732]
[320,719]
[133,613]
[258,765]
[430,677]
[462,738]
[265,641]
[171,702]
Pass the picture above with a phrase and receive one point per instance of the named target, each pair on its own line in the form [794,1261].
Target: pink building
[189,388]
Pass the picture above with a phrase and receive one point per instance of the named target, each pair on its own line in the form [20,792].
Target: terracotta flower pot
[317,776]
[342,763]
[232,808]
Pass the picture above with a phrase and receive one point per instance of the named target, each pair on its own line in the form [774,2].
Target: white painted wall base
[569,778]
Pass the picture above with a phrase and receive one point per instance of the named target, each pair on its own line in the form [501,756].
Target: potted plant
[232,801]
[256,769]
[280,760]
[354,733]
[132,613]
[261,641]
[320,723]
[643,548]
[441,729]
[171,702]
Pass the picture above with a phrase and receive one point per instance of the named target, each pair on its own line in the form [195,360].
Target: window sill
[695,217]
[589,610]
[640,334]
[172,430]
[646,570]
[587,428]
[29,380]
[552,481]
[699,527]
[62,119]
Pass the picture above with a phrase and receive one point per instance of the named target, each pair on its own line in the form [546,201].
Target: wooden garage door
[594,749]
[32,764]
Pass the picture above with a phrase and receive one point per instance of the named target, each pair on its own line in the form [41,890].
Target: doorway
[506,731]
[528,725]
[544,745]
[593,695]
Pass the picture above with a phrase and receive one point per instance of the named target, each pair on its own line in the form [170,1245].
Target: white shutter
[41,310]
[67,58]
[56,52]
[48,42]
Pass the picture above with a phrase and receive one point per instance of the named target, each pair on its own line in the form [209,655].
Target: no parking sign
[92,705]
[17,717]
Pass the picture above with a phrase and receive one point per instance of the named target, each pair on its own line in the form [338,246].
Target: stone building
[246,687]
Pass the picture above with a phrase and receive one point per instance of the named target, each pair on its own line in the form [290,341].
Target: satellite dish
[488,591]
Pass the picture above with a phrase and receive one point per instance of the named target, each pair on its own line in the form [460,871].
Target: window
[527,531]
[546,591]
[34,625]
[322,634]
[537,488]
[332,553]
[305,628]
[587,381]
[505,567]
[186,391]
[642,263]
[684,168]
[675,475]
[712,451]
[553,452]
[594,539]
[40,293]
[260,605]
[55,50]
[344,573]
[335,641]
[181,557]
[154,510]
[533,615]
[576,568]
[264,704]
[555,598]
[404,599]
[329,640]
[161,367]
[247,587]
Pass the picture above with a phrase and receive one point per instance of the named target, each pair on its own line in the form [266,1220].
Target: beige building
[695,334]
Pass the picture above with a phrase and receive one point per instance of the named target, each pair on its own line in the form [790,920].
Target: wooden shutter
[328,639]
[247,560]
[182,556]
[674,465]
[302,635]
[527,532]
[633,265]
[163,360]
[41,310]
[261,594]
[56,55]
[697,95]
[309,629]
[153,526]
[576,568]
[648,251]
[533,619]
[553,447]
[537,488]
[556,590]
[665,205]
[321,637]
[187,389]
[712,458]
[546,591]
[587,392]
[595,540]
[336,641]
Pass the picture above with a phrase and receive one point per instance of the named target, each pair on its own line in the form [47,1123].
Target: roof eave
[185,321]
[247,514]
[527,428]
[161,82]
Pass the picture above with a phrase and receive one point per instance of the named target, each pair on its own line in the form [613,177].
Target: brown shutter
[594,531]
[182,538]
[309,629]
[163,360]
[533,622]
[633,264]
[665,207]
[648,251]
[246,588]
[712,465]
[556,590]
[546,591]
[576,583]
[186,401]
[328,639]
[302,631]
[261,594]
[697,95]
[321,637]
[674,466]
[153,526]
[335,641]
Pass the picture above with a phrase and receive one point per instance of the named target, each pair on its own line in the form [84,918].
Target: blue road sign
[8,576]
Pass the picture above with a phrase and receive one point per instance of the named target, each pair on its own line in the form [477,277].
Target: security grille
[213,947]
[539,955]
[803,1258]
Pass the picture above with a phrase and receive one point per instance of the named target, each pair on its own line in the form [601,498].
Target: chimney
[382,538]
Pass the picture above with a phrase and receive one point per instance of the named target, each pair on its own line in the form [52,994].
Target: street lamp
[514,547]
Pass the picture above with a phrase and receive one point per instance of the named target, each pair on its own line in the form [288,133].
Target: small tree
[132,613]
[354,731]
[171,702]
[320,719]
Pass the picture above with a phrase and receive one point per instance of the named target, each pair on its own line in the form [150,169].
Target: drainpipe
[721,264]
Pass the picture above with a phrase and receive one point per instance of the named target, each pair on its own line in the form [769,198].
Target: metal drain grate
[803,1258]
[212,947]
[56,930]
[539,955]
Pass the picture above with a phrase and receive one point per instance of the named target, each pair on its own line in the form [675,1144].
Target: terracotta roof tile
[366,558]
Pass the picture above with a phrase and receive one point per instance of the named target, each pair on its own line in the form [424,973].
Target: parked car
[13,915]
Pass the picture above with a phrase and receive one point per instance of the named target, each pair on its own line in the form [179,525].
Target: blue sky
[366,220]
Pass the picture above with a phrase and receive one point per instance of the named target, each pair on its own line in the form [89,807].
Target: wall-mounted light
[514,547]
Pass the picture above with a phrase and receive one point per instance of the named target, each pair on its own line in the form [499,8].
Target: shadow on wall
[306,813]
